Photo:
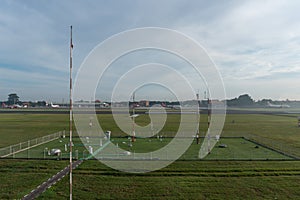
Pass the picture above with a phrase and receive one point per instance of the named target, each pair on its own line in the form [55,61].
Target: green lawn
[16,127]
[279,132]
[19,177]
[186,180]
[237,148]
[180,180]
[206,179]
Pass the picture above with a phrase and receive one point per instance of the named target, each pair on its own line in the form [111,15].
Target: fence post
[13,149]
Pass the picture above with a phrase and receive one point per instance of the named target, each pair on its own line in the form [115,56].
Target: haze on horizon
[254,44]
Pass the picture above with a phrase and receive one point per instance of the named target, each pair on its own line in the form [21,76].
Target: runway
[145,111]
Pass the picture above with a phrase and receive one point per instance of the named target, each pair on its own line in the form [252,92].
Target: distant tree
[13,99]
[41,103]
[245,100]
[263,102]
[242,100]
[232,102]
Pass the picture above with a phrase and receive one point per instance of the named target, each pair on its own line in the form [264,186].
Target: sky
[254,44]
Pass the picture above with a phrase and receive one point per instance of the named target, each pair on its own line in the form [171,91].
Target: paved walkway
[57,177]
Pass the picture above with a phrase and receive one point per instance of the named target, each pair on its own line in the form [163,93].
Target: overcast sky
[255,44]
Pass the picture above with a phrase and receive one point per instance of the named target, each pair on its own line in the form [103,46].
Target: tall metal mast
[133,116]
[208,118]
[198,119]
[71,124]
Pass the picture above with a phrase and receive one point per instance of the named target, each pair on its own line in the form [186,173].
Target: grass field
[187,180]
[278,131]
[16,127]
[19,177]
[237,149]
[184,179]
[180,180]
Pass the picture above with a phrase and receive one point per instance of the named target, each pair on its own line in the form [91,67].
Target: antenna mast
[208,118]
[198,118]
[133,116]
[71,124]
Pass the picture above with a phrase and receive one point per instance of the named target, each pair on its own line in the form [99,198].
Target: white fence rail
[22,146]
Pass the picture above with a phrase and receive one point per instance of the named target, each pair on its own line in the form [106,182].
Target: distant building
[144,103]
[13,99]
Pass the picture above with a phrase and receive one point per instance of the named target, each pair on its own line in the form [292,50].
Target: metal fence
[22,146]
[242,147]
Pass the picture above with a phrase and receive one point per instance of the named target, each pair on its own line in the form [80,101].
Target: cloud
[32,85]
[250,41]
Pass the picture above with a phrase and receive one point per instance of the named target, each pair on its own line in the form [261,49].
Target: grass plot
[226,149]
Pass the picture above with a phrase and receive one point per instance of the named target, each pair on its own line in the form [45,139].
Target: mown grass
[279,132]
[19,177]
[186,180]
[237,149]
[181,180]
[16,127]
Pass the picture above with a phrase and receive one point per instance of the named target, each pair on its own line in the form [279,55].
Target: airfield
[260,160]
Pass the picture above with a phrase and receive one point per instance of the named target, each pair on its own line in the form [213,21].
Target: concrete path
[57,177]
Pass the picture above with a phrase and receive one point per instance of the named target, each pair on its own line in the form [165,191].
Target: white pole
[198,119]
[133,120]
[71,143]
